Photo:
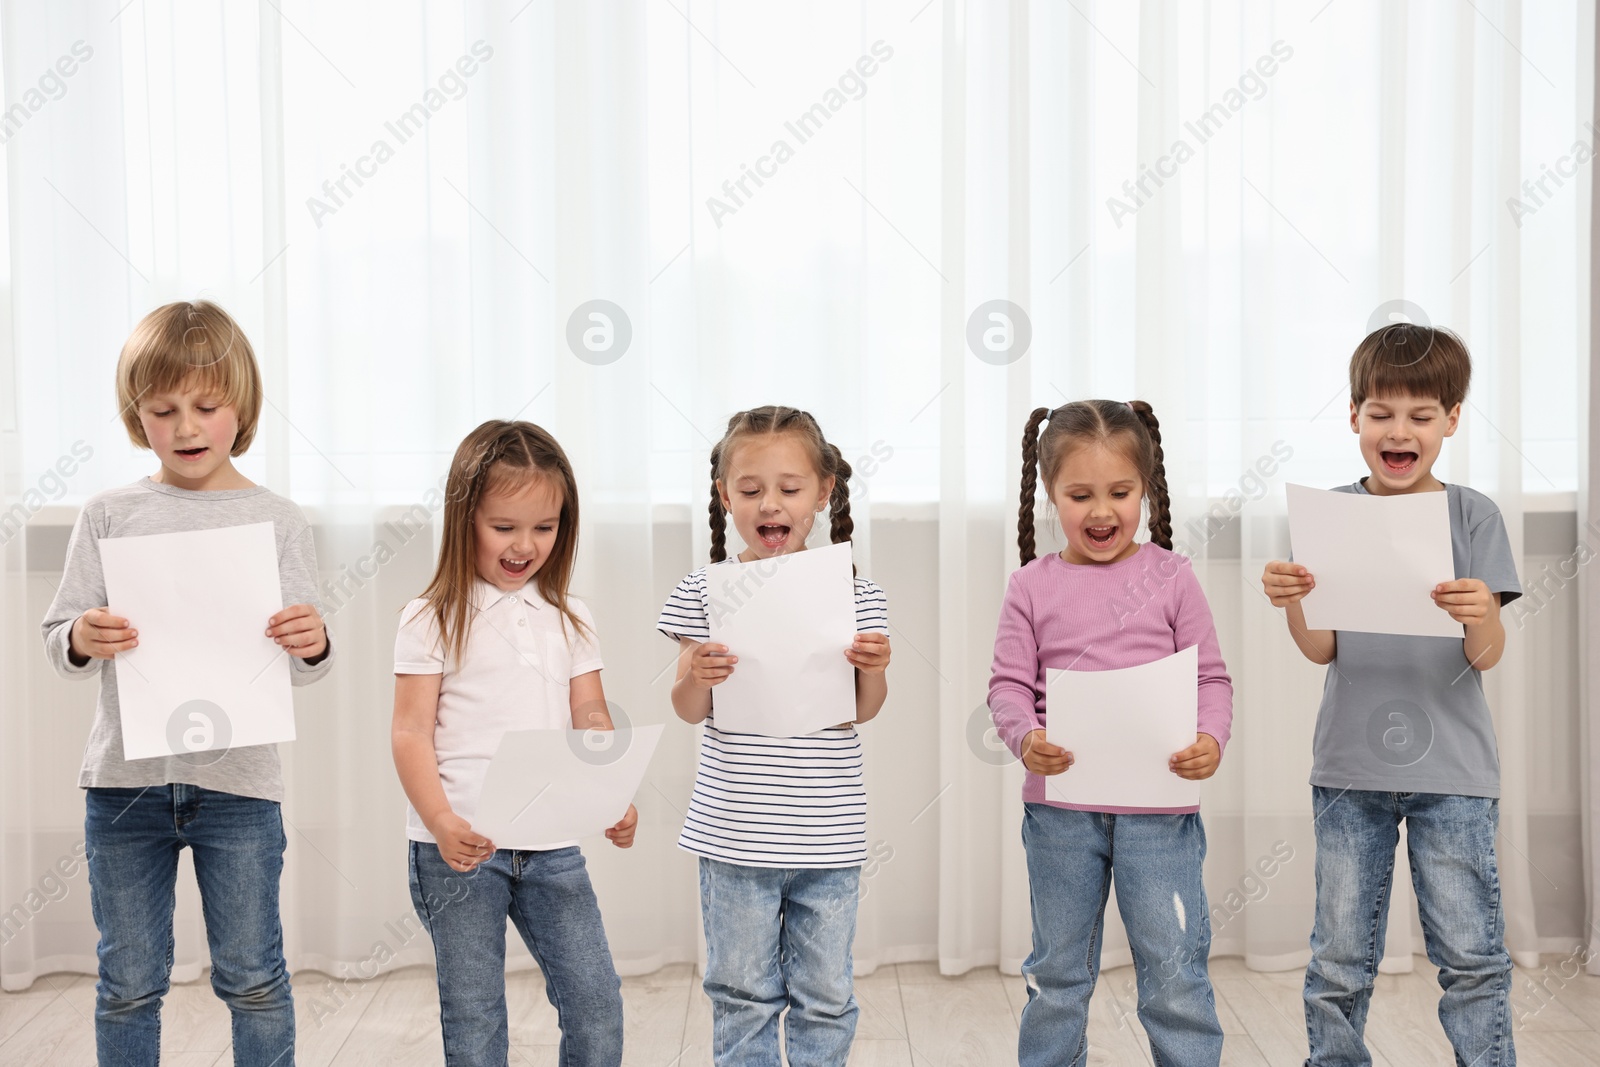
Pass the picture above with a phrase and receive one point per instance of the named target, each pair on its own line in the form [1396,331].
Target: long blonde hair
[500,455]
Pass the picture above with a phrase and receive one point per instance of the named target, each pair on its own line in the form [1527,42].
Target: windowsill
[1549,502]
[893,511]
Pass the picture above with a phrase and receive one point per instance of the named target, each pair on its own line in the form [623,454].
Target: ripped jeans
[1157,861]
[1450,841]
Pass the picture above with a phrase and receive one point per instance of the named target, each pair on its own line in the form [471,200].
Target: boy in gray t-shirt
[189,390]
[1404,732]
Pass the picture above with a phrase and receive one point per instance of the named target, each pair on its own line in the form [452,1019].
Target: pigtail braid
[1157,493]
[841,525]
[719,517]
[1030,483]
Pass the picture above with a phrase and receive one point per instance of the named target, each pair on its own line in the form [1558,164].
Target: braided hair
[1132,426]
[826,457]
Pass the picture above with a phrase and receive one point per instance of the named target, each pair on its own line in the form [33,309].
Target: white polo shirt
[515,674]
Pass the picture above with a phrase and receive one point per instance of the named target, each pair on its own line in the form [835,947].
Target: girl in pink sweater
[1103,602]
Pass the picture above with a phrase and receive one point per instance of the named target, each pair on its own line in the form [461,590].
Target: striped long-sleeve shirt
[774,801]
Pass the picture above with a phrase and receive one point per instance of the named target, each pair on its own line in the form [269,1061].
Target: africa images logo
[1400,733]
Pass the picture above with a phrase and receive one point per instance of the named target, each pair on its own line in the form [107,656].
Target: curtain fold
[1588,939]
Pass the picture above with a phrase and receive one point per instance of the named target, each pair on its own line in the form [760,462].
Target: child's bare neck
[1428,484]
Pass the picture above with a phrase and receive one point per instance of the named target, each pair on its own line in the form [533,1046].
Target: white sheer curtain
[411,214]
[1589,513]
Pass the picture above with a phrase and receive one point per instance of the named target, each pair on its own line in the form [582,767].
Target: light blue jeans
[776,938]
[1450,841]
[1157,860]
[132,838]
[551,903]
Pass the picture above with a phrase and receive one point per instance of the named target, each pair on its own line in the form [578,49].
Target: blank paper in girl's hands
[1121,727]
[552,787]
[205,675]
[1376,559]
[789,619]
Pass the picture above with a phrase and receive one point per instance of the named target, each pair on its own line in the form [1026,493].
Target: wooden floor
[910,1017]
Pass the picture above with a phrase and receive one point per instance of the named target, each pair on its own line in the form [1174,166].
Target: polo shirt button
[513,599]
[522,622]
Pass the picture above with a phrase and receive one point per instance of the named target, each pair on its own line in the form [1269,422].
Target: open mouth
[516,568]
[1100,536]
[192,453]
[1400,464]
[773,535]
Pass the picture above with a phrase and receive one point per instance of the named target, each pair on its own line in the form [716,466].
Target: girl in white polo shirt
[779,823]
[494,644]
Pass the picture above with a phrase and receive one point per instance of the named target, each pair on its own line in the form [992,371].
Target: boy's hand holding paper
[1379,562]
[1468,600]
[200,678]
[98,634]
[298,631]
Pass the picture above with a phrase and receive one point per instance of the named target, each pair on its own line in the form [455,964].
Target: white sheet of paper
[788,619]
[540,792]
[205,675]
[1121,727]
[1376,559]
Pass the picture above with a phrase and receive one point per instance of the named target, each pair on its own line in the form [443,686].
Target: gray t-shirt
[150,507]
[1407,714]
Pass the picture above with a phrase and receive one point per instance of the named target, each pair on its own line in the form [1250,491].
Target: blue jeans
[1450,841]
[550,901]
[133,837]
[1157,860]
[776,938]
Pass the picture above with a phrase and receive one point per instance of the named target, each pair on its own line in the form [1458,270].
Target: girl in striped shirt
[779,823]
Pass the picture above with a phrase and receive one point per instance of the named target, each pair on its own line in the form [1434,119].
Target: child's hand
[621,834]
[298,628]
[710,664]
[1197,761]
[1467,600]
[869,653]
[459,845]
[98,634]
[1041,757]
[1286,583]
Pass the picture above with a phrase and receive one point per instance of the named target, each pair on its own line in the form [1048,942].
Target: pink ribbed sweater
[1096,617]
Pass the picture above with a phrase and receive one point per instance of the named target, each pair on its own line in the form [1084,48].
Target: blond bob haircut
[189,343]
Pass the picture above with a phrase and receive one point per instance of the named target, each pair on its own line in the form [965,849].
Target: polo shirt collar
[486,594]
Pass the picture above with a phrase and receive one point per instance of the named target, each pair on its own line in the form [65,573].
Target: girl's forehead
[771,456]
[1096,461]
[523,490]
